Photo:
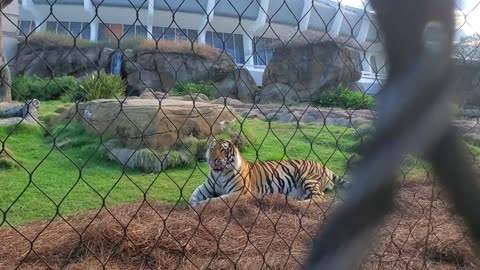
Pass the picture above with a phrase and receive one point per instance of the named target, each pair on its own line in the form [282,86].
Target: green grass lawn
[49,182]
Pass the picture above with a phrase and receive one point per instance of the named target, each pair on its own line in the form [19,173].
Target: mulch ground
[271,234]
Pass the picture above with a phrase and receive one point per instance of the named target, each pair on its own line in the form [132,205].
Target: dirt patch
[270,234]
[423,233]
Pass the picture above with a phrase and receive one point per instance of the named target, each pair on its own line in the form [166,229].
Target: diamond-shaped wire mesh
[120,119]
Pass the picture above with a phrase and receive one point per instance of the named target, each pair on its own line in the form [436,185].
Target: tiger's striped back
[294,178]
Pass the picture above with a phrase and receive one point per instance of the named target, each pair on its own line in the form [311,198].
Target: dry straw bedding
[270,234]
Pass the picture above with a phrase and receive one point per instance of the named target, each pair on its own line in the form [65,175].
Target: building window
[358,56]
[140,31]
[373,64]
[181,34]
[218,41]
[231,43]
[80,29]
[63,28]
[174,33]
[128,31]
[85,30]
[110,31]
[262,50]
[157,32]
[209,38]
[75,28]
[25,27]
[192,34]
[169,34]
[239,53]
[385,69]
[52,26]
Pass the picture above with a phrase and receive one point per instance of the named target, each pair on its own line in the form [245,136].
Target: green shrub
[194,149]
[343,97]
[101,85]
[190,88]
[30,87]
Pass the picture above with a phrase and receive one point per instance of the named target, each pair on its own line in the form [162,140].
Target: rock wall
[298,73]
[143,67]
[45,59]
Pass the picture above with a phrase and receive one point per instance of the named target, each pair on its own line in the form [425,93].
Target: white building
[10,30]
[246,29]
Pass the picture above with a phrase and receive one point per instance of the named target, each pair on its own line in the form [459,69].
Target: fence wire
[149,134]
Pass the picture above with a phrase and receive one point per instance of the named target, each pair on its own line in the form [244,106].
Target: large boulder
[308,70]
[44,59]
[239,84]
[161,71]
[281,93]
[142,123]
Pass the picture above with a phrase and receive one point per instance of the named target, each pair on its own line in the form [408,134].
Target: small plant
[101,85]
[30,87]
[343,97]
[191,88]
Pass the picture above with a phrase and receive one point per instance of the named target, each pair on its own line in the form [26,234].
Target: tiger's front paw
[315,198]
[345,185]
[318,199]
[194,204]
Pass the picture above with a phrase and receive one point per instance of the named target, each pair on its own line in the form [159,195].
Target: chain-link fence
[154,134]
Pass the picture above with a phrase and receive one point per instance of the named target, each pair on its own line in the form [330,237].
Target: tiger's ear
[235,141]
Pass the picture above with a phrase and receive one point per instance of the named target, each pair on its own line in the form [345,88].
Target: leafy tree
[468,48]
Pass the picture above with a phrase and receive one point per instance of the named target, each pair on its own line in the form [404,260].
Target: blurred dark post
[413,119]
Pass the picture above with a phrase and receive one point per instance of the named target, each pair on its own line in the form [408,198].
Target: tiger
[230,175]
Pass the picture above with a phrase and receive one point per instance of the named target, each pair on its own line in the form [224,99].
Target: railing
[367,75]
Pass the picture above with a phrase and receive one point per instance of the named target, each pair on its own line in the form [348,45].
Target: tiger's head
[222,155]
